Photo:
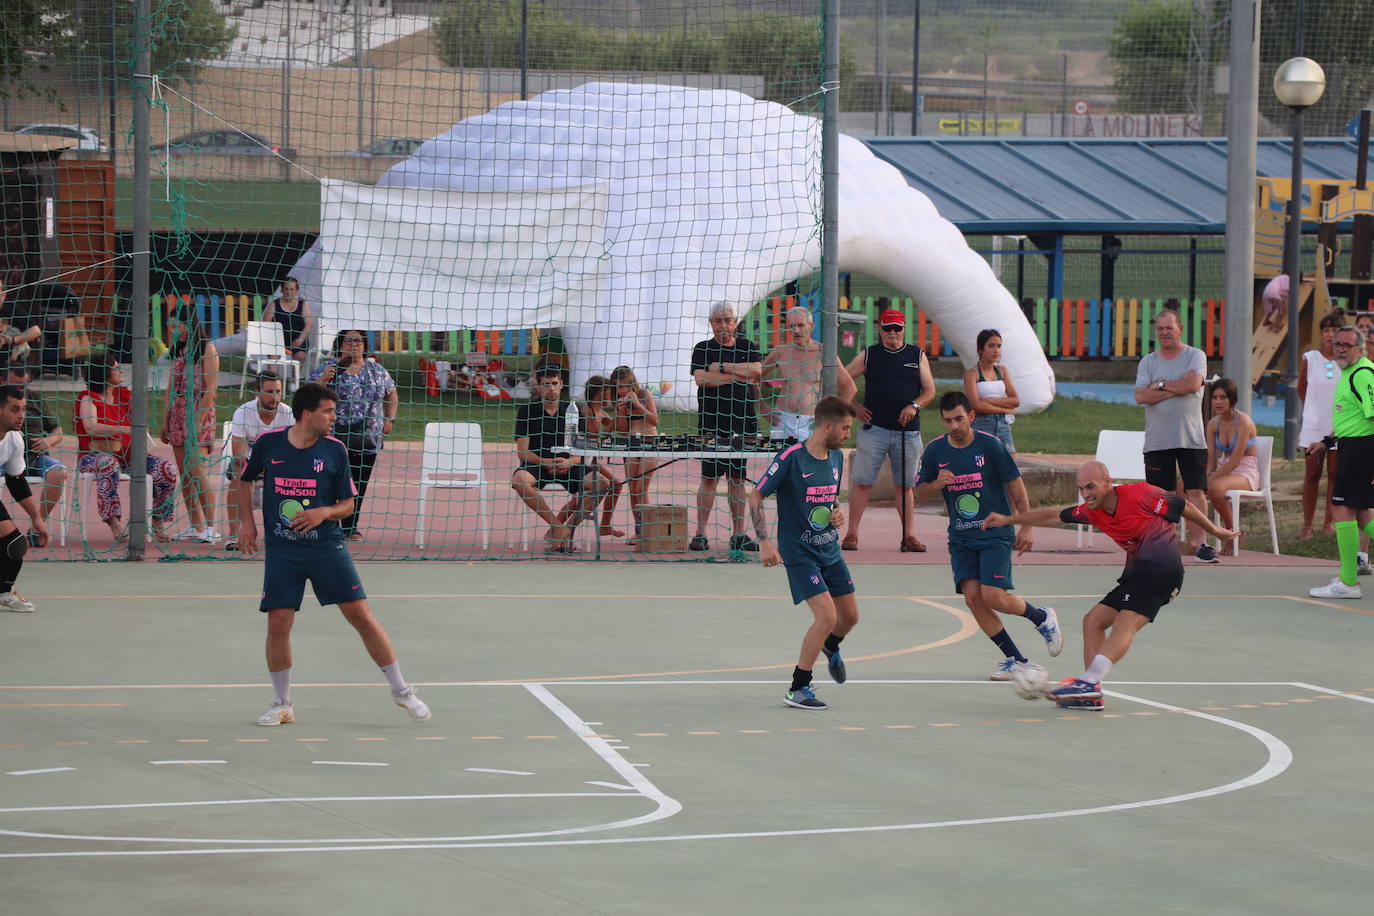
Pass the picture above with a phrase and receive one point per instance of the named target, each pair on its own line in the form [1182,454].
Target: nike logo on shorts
[278,460]
[804,476]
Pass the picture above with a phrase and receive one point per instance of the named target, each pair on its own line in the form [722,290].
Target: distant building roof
[1066,186]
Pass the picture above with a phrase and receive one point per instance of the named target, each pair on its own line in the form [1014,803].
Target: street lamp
[1299,83]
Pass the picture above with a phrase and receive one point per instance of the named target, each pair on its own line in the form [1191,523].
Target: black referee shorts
[1354,483]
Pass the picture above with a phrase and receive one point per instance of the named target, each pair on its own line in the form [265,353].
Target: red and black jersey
[1143,525]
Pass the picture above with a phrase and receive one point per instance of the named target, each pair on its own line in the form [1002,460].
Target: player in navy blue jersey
[306,491]
[974,473]
[806,479]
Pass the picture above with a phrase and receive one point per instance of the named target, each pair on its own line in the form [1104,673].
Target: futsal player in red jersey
[1141,519]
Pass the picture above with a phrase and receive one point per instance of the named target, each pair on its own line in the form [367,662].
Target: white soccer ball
[1029,680]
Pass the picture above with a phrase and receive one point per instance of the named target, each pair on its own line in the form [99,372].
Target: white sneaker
[1362,567]
[13,601]
[1054,637]
[1336,589]
[1003,670]
[208,536]
[278,714]
[190,534]
[412,704]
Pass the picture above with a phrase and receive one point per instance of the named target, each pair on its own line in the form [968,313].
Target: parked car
[222,143]
[85,137]
[391,146]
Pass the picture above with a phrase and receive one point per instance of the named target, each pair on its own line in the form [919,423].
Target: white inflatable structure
[618,214]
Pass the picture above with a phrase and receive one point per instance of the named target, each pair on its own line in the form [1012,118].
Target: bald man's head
[1094,483]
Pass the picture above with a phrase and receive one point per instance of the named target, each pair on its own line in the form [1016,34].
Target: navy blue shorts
[328,569]
[809,579]
[989,563]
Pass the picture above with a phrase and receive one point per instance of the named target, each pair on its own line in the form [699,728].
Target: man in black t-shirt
[727,369]
[539,427]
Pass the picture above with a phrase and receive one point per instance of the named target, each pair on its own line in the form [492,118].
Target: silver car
[85,137]
[223,143]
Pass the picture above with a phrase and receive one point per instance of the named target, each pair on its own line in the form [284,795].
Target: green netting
[269,117]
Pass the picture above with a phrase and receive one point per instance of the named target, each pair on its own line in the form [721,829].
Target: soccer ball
[1029,680]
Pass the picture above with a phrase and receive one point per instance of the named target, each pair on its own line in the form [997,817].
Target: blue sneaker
[1072,688]
[1089,704]
[1003,670]
[838,674]
[1054,637]
[803,698]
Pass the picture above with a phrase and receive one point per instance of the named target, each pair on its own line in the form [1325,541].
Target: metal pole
[916,73]
[286,90]
[1292,265]
[830,195]
[358,67]
[1241,125]
[883,89]
[138,296]
[114,71]
[524,49]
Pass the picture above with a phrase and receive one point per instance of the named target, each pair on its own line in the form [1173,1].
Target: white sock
[1097,670]
[393,675]
[281,683]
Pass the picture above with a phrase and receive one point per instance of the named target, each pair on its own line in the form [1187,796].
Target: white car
[85,137]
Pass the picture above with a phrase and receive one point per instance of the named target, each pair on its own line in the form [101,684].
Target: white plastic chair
[63,508]
[452,460]
[1264,457]
[1123,452]
[263,350]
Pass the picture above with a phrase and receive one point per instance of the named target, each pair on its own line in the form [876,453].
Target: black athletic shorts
[1164,467]
[572,481]
[1145,591]
[732,468]
[1354,483]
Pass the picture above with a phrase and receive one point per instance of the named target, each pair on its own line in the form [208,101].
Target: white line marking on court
[1280,757]
[608,785]
[664,805]
[501,772]
[36,772]
[190,763]
[1335,693]
[348,763]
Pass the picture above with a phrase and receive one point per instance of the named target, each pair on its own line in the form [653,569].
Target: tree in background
[74,37]
[784,50]
[1151,60]
[1339,35]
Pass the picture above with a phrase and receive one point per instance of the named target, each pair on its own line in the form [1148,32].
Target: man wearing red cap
[898,383]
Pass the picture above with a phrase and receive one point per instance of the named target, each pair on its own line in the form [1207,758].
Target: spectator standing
[104,430]
[1353,432]
[898,383]
[599,419]
[188,425]
[264,413]
[727,369]
[636,414]
[989,388]
[1231,460]
[294,316]
[1169,383]
[366,411]
[796,366]
[42,432]
[539,428]
[1316,388]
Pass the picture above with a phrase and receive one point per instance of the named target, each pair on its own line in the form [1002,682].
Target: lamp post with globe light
[1299,83]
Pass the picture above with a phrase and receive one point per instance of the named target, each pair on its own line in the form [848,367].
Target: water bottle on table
[570,421]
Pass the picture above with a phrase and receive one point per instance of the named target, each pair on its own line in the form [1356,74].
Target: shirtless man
[797,366]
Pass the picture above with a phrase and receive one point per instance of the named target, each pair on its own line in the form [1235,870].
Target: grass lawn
[237,205]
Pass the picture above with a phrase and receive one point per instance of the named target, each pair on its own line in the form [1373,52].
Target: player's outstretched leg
[281,711]
[1085,691]
[378,645]
[801,693]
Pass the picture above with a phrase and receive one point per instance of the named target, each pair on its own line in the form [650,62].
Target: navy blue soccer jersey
[806,489]
[982,469]
[295,479]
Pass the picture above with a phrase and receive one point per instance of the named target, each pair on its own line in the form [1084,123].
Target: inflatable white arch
[618,214]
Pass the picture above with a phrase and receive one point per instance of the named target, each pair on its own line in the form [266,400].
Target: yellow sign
[980,126]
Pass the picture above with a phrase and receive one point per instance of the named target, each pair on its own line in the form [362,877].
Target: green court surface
[611,739]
